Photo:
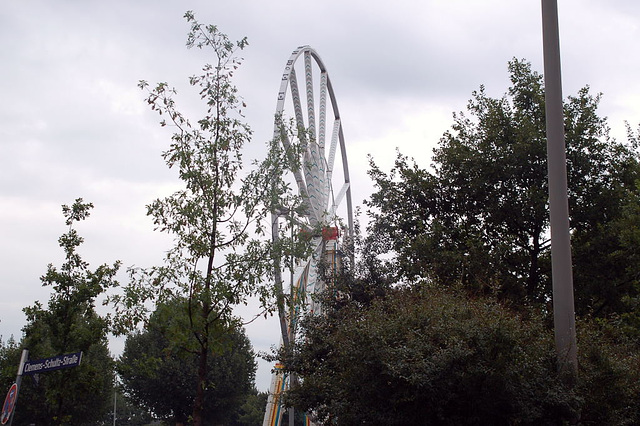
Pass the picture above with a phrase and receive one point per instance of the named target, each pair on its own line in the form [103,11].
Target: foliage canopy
[79,395]
[158,369]
[220,258]
[445,320]
[480,216]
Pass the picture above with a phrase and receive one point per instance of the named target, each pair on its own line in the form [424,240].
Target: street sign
[9,404]
[53,363]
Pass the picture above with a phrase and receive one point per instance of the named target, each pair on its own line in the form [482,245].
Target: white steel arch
[315,181]
[322,181]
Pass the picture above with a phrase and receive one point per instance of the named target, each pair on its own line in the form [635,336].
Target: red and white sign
[9,404]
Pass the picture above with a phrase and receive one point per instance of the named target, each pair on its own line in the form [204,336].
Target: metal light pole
[563,304]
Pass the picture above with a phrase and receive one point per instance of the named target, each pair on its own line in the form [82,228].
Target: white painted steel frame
[314,181]
[322,201]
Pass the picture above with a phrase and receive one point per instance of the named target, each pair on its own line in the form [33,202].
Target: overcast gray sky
[73,123]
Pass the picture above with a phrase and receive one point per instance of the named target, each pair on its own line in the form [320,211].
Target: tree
[128,413]
[453,327]
[606,252]
[428,355]
[218,260]
[10,353]
[79,395]
[627,229]
[480,217]
[252,411]
[158,368]
[609,374]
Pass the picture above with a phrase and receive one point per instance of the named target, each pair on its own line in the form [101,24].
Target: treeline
[446,318]
[152,381]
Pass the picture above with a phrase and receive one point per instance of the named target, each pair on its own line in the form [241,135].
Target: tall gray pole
[563,305]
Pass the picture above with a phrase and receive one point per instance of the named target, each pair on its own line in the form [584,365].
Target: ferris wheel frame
[314,179]
[323,200]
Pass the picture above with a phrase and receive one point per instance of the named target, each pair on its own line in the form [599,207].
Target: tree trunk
[198,404]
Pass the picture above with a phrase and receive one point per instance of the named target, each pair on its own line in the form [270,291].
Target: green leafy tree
[79,395]
[158,368]
[10,353]
[128,413]
[627,228]
[480,216]
[607,256]
[428,356]
[609,374]
[252,411]
[421,353]
[218,260]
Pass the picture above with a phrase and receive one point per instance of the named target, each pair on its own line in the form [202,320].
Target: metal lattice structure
[323,183]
